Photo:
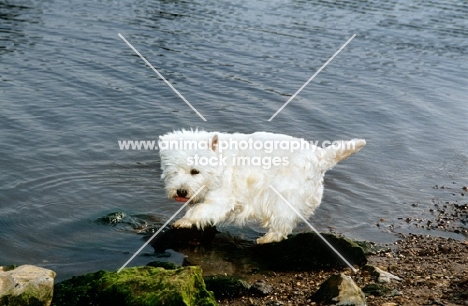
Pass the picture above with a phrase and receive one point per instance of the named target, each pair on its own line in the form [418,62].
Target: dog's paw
[270,237]
[182,223]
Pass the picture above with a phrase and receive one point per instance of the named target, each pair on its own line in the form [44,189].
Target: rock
[232,287]
[26,285]
[380,275]
[122,220]
[112,218]
[371,248]
[181,238]
[226,286]
[389,304]
[306,251]
[261,287]
[340,289]
[376,290]
[395,293]
[139,286]
[433,301]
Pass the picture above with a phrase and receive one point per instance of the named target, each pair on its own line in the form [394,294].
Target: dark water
[70,88]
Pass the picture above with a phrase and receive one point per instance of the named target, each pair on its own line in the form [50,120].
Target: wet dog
[233,178]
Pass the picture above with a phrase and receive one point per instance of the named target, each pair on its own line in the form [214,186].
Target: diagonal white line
[160,75]
[311,78]
[313,228]
[159,230]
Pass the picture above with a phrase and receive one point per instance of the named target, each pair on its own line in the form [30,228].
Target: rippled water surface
[70,88]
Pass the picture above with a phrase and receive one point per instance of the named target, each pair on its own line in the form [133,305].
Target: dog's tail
[340,150]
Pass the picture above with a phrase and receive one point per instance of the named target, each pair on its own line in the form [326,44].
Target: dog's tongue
[181,199]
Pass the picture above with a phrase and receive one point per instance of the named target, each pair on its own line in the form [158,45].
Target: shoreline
[427,269]
[433,262]
[421,270]
[434,271]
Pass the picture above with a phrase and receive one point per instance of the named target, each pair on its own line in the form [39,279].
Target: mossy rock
[139,286]
[20,301]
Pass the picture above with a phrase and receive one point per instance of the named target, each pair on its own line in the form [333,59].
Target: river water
[71,88]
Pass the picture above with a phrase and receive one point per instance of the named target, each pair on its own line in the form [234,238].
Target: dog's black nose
[181,193]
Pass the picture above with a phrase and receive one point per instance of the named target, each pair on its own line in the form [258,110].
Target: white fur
[240,193]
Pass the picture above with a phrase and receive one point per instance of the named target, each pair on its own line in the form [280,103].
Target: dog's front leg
[204,214]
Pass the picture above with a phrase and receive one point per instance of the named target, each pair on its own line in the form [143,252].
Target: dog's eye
[194,171]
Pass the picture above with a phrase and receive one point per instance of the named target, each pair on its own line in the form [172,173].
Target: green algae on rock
[138,286]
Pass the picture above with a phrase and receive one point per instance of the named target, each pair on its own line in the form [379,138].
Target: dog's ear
[214,143]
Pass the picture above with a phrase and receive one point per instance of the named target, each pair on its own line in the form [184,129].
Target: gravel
[433,270]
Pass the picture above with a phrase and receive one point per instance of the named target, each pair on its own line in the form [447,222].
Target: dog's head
[189,161]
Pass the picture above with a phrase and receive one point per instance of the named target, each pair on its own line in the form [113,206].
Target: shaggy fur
[237,193]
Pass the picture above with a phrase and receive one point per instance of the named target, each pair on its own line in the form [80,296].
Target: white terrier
[232,174]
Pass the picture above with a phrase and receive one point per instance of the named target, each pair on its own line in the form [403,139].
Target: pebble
[384,276]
